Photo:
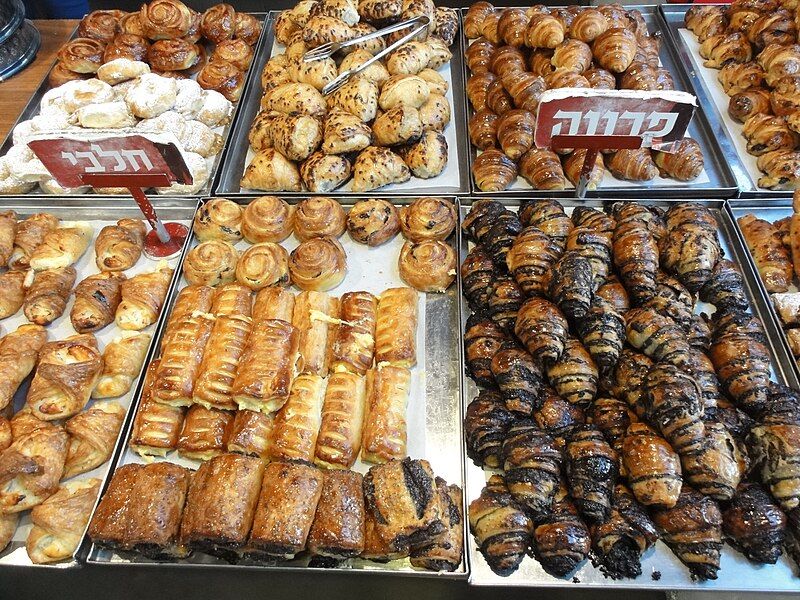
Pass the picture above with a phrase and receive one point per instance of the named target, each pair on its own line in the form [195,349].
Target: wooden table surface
[15,93]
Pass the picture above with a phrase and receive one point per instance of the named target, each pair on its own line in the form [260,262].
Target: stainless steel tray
[32,109]
[721,182]
[661,569]
[235,157]
[437,415]
[672,16]
[102,212]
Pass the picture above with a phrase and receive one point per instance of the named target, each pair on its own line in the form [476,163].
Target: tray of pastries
[739,57]
[79,308]
[295,338]
[164,69]
[512,55]
[398,127]
[627,422]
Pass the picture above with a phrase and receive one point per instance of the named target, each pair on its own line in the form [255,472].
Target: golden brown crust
[338,527]
[353,345]
[428,266]
[219,218]
[396,327]
[247,28]
[315,318]
[251,433]
[373,222]
[218,23]
[263,265]
[93,434]
[143,296]
[12,292]
[62,247]
[384,436]
[233,299]
[100,25]
[205,432]
[220,361]
[8,227]
[319,217]
[273,303]
[192,298]
[82,55]
[30,234]
[118,247]
[267,219]
[771,256]
[298,422]
[47,296]
[211,263]
[493,171]
[181,359]
[122,362]
[542,169]
[19,352]
[339,439]
[318,264]
[614,49]
[165,19]
[222,77]
[237,52]
[156,428]
[96,300]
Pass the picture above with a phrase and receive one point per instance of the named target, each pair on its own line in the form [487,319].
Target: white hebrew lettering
[574,119]
[638,120]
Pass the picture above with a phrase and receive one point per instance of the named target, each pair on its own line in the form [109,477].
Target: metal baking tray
[100,212]
[770,210]
[32,109]
[716,181]
[726,132]
[454,179]
[433,413]
[661,569]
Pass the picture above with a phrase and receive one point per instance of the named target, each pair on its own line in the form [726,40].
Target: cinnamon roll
[236,52]
[263,265]
[373,222]
[267,219]
[165,19]
[100,25]
[247,28]
[218,23]
[127,45]
[219,219]
[428,219]
[82,55]
[428,266]
[132,23]
[172,55]
[211,263]
[60,74]
[318,264]
[318,217]
[222,77]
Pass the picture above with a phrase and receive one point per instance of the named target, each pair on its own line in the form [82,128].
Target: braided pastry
[705,21]
[478,55]
[737,77]
[587,25]
[482,129]
[614,49]
[748,103]
[684,163]
[477,89]
[721,49]
[572,54]
[574,163]
[512,26]
[525,89]
[493,171]
[473,20]
[318,264]
[544,31]
[165,19]
[767,133]
[542,169]
[498,100]
[632,165]
[600,79]
[428,266]
[515,132]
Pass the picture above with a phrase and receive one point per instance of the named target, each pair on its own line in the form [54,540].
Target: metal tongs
[329,49]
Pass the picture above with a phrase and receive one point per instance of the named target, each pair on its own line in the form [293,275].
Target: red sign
[611,119]
[119,161]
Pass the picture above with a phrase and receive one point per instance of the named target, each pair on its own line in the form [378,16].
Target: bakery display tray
[716,180]
[726,132]
[661,569]
[434,421]
[100,212]
[453,180]
[32,109]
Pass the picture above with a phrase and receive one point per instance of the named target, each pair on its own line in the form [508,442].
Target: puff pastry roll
[12,292]
[31,467]
[118,247]
[353,347]
[62,247]
[267,367]
[191,299]
[47,296]
[286,507]
[19,351]
[222,503]
[396,327]
[205,432]
[29,236]
[157,426]
[8,226]
[315,317]
[232,299]
[59,521]
[297,422]
[181,359]
[108,526]
[273,303]
[122,363]
[403,499]
[444,552]
[92,434]
[96,300]
[65,377]
[339,439]
[338,528]
[385,433]
[220,361]
[142,298]
[251,433]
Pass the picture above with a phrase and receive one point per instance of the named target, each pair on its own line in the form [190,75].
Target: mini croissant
[544,31]
[493,171]
[632,165]
[614,49]
[542,169]
[515,132]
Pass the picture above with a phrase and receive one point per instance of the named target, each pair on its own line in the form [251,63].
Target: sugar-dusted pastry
[122,363]
[319,263]
[192,298]
[205,432]
[62,247]
[353,346]
[286,508]
[59,522]
[373,222]
[218,219]
[269,364]
[319,217]
[221,503]
[142,298]
[211,263]
[46,298]
[19,352]
[96,300]
[428,219]
[428,266]
[339,439]
[267,219]
[180,360]
[157,426]
[251,433]
[338,528]
[376,167]
[297,423]
[396,327]
[315,317]
[29,235]
[32,466]
[92,435]
[273,303]
[384,436]
[220,361]
[12,292]
[118,247]
[262,265]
